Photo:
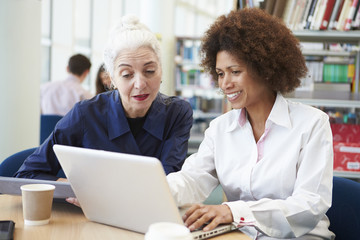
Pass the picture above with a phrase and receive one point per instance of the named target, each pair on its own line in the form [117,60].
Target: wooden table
[68,222]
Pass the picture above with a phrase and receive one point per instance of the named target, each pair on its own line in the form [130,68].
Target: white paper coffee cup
[168,231]
[37,203]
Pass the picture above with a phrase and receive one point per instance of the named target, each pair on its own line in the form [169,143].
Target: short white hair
[129,33]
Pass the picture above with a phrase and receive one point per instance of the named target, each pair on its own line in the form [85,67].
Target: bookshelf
[195,86]
[335,100]
[331,98]
[328,37]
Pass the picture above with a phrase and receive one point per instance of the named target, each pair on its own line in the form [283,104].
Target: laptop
[11,185]
[123,190]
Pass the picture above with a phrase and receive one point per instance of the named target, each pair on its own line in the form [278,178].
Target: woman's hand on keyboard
[199,214]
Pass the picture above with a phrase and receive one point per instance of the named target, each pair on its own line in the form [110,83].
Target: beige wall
[20,75]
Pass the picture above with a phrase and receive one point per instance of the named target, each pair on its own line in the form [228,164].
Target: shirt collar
[117,122]
[73,77]
[280,112]
[155,121]
[279,115]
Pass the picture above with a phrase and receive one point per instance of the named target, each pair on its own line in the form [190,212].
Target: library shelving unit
[192,83]
[197,87]
[332,36]
[332,99]
[342,99]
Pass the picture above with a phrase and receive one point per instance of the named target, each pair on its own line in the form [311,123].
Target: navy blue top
[100,123]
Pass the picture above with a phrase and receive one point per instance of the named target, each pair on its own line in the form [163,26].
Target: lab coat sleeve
[301,212]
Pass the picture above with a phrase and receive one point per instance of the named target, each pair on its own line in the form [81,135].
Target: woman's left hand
[199,214]
[73,200]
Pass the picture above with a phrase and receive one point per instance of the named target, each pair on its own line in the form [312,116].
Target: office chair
[47,125]
[12,163]
[344,214]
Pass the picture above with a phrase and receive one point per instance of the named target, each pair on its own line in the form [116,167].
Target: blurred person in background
[59,97]
[103,80]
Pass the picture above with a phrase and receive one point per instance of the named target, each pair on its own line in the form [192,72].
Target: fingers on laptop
[199,214]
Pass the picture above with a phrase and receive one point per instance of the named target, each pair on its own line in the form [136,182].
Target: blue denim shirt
[100,123]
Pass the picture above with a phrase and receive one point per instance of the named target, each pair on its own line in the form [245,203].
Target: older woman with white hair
[135,118]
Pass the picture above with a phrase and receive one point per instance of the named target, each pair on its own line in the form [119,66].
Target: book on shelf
[315,13]
[302,23]
[318,14]
[311,14]
[356,21]
[327,14]
[350,16]
[241,4]
[339,69]
[297,14]
[315,69]
[250,3]
[335,73]
[289,8]
[334,13]
[344,13]
[338,13]
[279,8]
[269,6]
[336,87]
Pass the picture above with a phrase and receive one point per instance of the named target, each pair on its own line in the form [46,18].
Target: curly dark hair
[270,50]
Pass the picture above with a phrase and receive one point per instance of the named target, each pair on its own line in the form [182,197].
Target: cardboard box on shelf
[346,140]
[346,156]
[347,133]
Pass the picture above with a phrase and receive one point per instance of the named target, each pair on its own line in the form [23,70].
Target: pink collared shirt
[59,97]
[260,144]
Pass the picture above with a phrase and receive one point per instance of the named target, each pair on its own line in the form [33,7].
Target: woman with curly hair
[272,157]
